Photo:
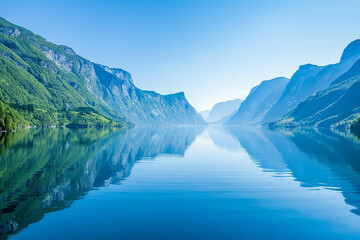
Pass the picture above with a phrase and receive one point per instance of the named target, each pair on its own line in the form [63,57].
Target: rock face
[336,106]
[13,32]
[317,96]
[9,226]
[260,99]
[224,110]
[53,77]
[310,79]
[115,87]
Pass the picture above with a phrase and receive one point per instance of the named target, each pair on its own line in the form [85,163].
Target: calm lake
[179,183]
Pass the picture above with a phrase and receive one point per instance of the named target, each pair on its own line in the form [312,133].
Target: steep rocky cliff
[310,79]
[260,99]
[40,80]
[336,106]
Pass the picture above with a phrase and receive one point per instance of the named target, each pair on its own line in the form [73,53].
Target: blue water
[182,183]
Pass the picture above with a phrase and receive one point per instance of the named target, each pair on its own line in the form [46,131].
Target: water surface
[179,183]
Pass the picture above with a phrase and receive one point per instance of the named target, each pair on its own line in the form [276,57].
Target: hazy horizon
[213,51]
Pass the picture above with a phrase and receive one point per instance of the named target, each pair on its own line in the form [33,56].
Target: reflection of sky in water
[221,184]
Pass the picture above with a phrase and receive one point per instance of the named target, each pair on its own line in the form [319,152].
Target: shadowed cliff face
[45,170]
[260,99]
[315,158]
[310,79]
[336,106]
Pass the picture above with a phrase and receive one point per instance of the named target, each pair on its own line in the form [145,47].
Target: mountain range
[315,96]
[222,111]
[46,84]
[336,106]
[310,79]
[260,99]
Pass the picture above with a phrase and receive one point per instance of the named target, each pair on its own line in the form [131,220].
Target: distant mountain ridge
[310,79]
[223,110]
[315,96]
[336,106]
[44,81]
[260,99]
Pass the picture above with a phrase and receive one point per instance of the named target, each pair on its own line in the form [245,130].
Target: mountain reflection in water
[315,158]
[46,169]
[229,184]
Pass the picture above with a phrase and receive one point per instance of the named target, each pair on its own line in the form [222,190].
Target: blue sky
[211,50]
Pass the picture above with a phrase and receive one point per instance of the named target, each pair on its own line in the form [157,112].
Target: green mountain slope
[310,79]
[336,106]
[10,118]
[40,90]
[44,81]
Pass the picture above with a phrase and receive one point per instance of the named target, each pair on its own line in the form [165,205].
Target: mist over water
[179,183]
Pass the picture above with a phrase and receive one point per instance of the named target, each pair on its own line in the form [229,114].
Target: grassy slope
[10,118]
[336,106]
[41,92]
